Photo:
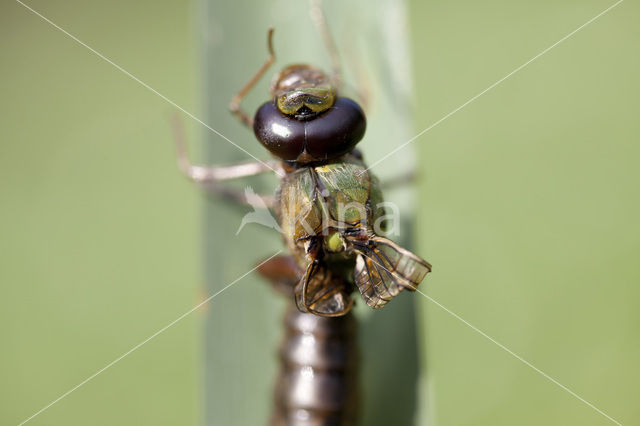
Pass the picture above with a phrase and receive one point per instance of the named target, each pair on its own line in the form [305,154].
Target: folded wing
[318,292]
[384,269]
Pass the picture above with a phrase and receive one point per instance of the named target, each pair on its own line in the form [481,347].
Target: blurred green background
[527,206]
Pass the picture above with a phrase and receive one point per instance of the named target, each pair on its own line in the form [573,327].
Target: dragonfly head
[307,121]
[302,91]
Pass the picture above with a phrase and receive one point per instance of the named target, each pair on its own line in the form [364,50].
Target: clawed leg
[317,15]
[234,105]
[210,177]
[241,197]
[363,86]
[282,272]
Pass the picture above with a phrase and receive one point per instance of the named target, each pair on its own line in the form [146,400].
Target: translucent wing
[384,269]
[321,294]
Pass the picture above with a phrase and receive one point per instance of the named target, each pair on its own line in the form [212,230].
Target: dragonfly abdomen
[317,383]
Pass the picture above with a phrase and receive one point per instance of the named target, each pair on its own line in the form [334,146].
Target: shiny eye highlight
[283,136]
[305,139]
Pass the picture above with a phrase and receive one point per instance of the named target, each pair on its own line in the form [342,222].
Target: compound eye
[283,136]
[336,131]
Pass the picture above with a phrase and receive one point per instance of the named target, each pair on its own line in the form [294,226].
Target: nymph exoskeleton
[327,201]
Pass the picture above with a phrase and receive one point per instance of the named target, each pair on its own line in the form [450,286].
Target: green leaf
[243,325]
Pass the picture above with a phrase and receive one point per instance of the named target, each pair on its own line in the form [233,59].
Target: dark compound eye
[328,135]
[283,136]
[337,131]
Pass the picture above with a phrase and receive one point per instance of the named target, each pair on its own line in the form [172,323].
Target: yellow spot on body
[334,242]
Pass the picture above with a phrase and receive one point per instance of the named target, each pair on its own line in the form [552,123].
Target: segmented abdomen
[317,384]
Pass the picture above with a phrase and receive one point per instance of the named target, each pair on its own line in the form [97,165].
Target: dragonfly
[327,201]
[327,205]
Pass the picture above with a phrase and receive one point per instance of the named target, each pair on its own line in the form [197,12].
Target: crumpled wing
[384,269]
[321,294]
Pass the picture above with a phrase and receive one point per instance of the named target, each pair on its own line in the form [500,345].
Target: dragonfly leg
[320,21]
[283,273]
[244,198]
[234,105]
[364,83]
[210,177]
[363,87]
[207,174]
